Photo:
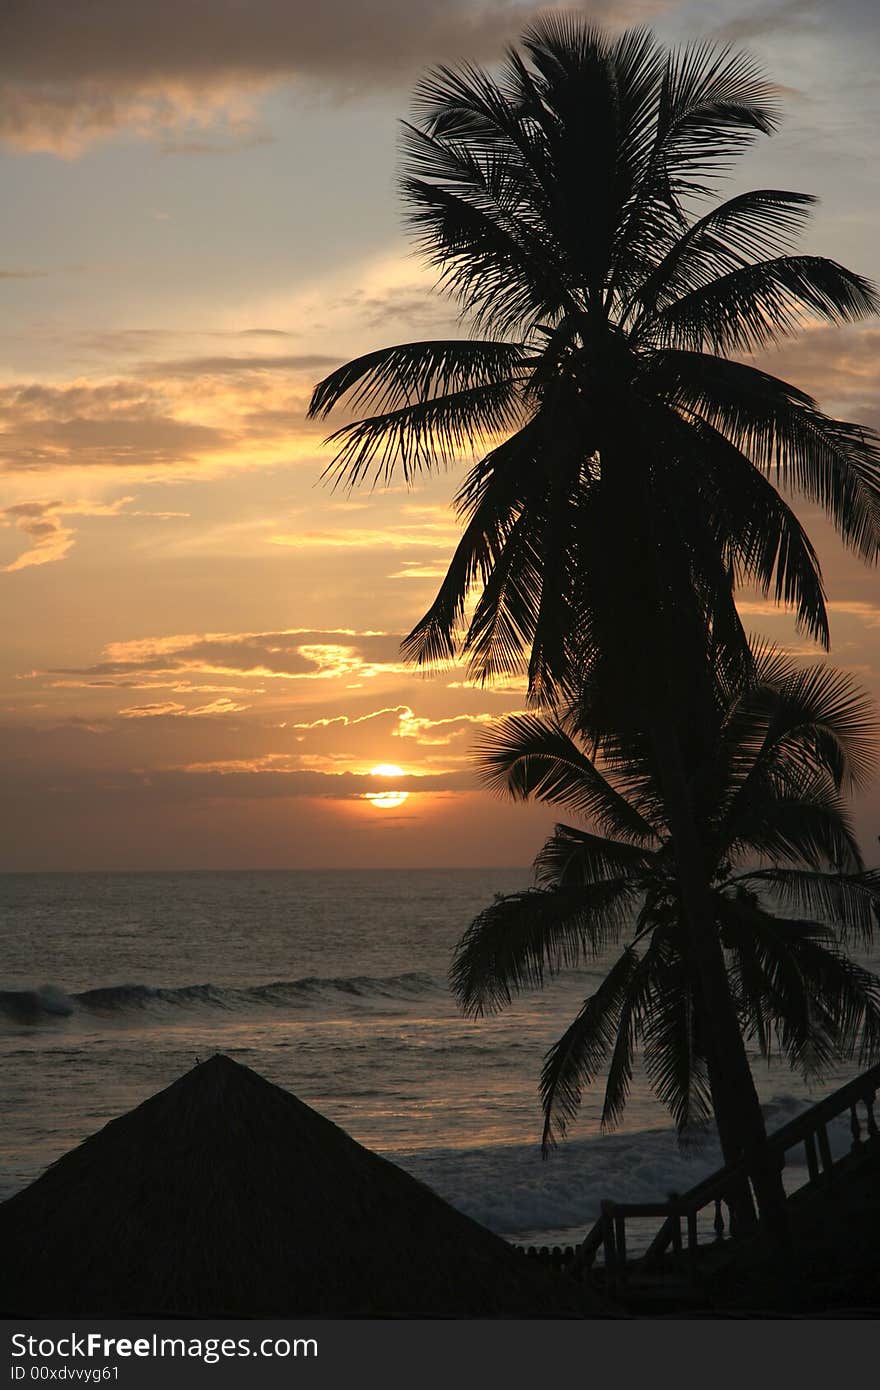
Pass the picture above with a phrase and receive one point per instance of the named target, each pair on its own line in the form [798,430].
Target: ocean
[333,985]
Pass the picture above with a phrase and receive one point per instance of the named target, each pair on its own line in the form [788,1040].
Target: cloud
[207,414]
[173,709]
[291,654]
[135,341]
[157,710]
[223,366]
[74,71]
[112,424]
[347,721]
[436,535]
[838,366]
[417,527]
[788,17]
[862,611]
[785,17]
[410,304]
[441,732]
[411,570]
[49,539]
[220,413]
[402,722]
[277,775]
[23,274]
[249,138]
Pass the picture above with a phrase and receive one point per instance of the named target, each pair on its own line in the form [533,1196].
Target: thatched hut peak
[224,1194]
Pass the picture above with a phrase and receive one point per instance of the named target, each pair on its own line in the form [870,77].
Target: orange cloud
[292,654]
[414,571]
[276,774]
[440,732]
[44,523]
[173,709]
[111,424]
[49,539]
[409,725]
[186,418]
[354,538]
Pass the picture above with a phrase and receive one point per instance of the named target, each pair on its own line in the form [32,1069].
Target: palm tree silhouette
[624,492]
[787,745]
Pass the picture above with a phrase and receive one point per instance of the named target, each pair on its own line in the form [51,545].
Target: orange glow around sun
[387,800]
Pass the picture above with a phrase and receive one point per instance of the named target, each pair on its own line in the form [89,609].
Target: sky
[200,666]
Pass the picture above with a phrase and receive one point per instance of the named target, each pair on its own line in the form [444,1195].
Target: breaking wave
[510,1189]
[48,1002]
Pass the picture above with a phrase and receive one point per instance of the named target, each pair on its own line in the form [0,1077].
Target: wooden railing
[680,1224]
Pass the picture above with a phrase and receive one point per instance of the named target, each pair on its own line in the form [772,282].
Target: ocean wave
[49,1002]
[517,1194]
[30,1004]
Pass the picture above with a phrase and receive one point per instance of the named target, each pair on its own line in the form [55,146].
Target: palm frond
[504,621]
[572,857]
[397,376]
[675,1059]
[424,436]
[494,493]
[713,103]
[503,279]
[749,523]
[833,463]
[823,1004]
[795,719]
[800,1022]
[520,940]
[757,225]
[822,715]
[575,1060]
[530,756]
[808,825]
[642,1016]
[464,103]
[750,307]
[849,904]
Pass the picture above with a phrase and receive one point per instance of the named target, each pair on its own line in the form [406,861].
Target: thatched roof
[225,1195]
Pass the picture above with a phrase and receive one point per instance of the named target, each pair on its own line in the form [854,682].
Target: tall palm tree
[789,894]
[624,491]
[559,202]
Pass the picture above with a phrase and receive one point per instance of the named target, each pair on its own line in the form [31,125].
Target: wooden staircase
[695,1235]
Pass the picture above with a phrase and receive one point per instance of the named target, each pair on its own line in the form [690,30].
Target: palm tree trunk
[740,1120]
[664,678]
[740,1203]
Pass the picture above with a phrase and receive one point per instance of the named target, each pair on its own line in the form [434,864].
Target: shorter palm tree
[789,893]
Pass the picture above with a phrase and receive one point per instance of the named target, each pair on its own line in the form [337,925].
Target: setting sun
[387,800]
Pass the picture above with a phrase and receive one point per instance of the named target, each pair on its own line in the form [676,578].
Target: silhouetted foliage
[563,201]
[787,746]
[626,483]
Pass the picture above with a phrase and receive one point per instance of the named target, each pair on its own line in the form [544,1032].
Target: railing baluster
[825,1152]
[872,1123]
[719,1221]
[608,1242]
[855,1127]
[620,1245]
[676,1236]
[692,1242]
[812,1158]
